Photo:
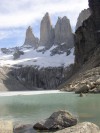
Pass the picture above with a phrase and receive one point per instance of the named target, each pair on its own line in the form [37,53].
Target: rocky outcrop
[63,33]
[46,32]
[57,121]
[82,17]
[30,39]
[17,54]
[87,37]
[85,127]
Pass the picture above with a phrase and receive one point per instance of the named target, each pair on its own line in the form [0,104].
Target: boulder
[28,128]
[6,127]
[97,82]
[95,90]
[81,95]
[82,88]
[58,120]
[85,127]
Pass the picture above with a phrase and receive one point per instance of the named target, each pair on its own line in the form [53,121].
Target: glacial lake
[30,107]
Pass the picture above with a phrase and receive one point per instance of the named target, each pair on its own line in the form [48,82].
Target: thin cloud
[25,12]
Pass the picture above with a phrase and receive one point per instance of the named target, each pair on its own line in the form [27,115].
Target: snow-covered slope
[37,57]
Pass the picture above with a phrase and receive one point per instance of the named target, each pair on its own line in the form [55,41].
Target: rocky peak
[46,32]
[83,16]
[63,32]
[30,39]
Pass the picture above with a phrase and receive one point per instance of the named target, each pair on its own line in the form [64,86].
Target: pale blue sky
[17,15]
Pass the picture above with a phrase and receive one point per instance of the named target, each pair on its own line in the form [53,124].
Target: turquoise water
[33,108]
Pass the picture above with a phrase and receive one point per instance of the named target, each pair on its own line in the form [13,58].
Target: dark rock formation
[95,7]
[87,37]
[63,33]
[46,32]
[57,121]
[85,127]
[17,54]
[30,39]
[46,78]
[82,17]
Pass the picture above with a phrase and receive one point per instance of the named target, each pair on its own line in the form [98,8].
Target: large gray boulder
[85,127]
[30,39]
[63,32]
[83,16]
[6,127]
[46,32]
[58,120]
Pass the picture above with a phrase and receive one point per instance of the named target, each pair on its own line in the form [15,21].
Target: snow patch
[32,57]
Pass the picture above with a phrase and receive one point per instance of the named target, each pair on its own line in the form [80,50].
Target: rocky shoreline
[59,122]
[87,82]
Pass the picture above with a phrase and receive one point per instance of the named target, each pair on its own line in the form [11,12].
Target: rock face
[87,37]
[63,32]
[85,127]
[8,82]
[30,39]
[83,16]
[57,121]
[95,7]
[46,32]
[45,78]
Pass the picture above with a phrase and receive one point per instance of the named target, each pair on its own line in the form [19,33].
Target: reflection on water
[33,108]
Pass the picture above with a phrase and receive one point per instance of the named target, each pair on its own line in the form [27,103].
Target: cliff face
[63,32]
[30,39]
[45,78]
[87,37]
[46,32]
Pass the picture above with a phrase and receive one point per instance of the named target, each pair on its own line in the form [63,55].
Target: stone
[97,82]
[82,17]
[82,88]
[63,32]
[46,32]
[85,127]
[95,90]
[81,95]
[30,39]
[28,128]
[6,127]
[58,120]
